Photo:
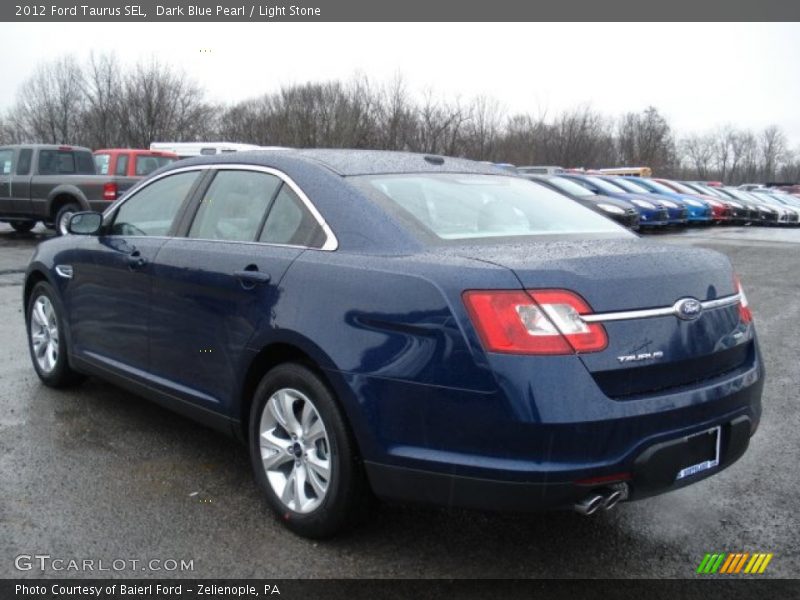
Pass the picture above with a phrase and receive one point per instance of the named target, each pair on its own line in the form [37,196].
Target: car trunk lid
[653,348]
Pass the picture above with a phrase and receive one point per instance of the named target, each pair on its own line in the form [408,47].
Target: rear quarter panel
[386,330]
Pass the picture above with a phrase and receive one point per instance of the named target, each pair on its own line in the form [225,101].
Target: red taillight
[745,314]
[110,191]
[533,322]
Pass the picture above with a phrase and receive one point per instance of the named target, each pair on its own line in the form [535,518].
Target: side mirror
[85,223]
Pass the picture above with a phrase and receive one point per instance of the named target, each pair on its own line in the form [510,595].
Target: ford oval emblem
[688,309]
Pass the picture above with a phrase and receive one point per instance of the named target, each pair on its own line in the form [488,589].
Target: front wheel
[63,216]
[46,339]
[303,454]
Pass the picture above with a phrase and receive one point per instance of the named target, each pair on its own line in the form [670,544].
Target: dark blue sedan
[416,328]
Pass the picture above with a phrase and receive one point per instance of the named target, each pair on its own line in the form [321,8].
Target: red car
[720,211]
[128,162]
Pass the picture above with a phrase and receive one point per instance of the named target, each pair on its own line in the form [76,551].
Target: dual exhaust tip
[606,498]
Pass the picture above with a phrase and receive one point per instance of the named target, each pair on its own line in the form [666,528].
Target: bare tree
[646,139]
[161,103]
[50,104]
[699,152]
[105,103]
[773,146]
[103,96]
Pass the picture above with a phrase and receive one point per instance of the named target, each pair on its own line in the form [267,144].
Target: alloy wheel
[295,450]
[44,334]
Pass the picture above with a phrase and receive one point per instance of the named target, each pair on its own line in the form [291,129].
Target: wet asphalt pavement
[96,473]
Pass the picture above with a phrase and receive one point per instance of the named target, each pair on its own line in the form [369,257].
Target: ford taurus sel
[408,327]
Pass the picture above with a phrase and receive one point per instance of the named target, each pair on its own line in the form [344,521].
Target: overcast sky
[699,75]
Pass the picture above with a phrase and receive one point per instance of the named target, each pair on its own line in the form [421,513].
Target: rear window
[470,206]
[147,164]
[66,162]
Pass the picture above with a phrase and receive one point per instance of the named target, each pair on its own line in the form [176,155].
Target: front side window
[152,210]
[234,206]
[291,223]
[470,206]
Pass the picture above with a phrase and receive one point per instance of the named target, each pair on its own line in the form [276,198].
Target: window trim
[331,243]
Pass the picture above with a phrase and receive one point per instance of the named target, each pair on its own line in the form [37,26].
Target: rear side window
[122,165]
[101,163]
[84,163]
[6,158]
[65,162]
[152,210]
[234,206]
[290,222]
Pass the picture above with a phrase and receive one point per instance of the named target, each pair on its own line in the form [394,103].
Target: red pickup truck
[129,162]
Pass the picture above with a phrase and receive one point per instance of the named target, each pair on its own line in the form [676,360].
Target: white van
[540,170]
[187,149]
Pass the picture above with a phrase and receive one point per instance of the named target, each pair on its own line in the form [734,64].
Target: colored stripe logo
[731,563]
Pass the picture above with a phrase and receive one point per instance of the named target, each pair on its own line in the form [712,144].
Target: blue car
[676,208]
[412,327]
[652,213]
[698,211]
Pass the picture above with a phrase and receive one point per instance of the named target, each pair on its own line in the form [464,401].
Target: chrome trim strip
[720,302]
[64,271]
[331,242]
[656,312]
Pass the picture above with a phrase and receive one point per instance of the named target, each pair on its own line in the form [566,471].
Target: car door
[21,182]
[110,292]
[218,285]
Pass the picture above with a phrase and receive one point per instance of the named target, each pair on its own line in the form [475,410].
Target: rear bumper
[651,471]
[455,448]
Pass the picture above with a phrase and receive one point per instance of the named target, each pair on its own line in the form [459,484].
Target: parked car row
[643,203]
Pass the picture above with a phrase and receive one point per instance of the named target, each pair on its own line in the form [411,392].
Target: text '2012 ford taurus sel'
[415,328]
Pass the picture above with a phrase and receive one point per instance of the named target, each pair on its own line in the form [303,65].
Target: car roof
[64,147]
[353,162]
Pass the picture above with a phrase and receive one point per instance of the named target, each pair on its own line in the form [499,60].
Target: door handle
[136,260]
[252,276]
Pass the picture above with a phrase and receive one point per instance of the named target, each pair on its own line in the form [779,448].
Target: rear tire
[63,216]
[47,340]
[23,226]
[303,454]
